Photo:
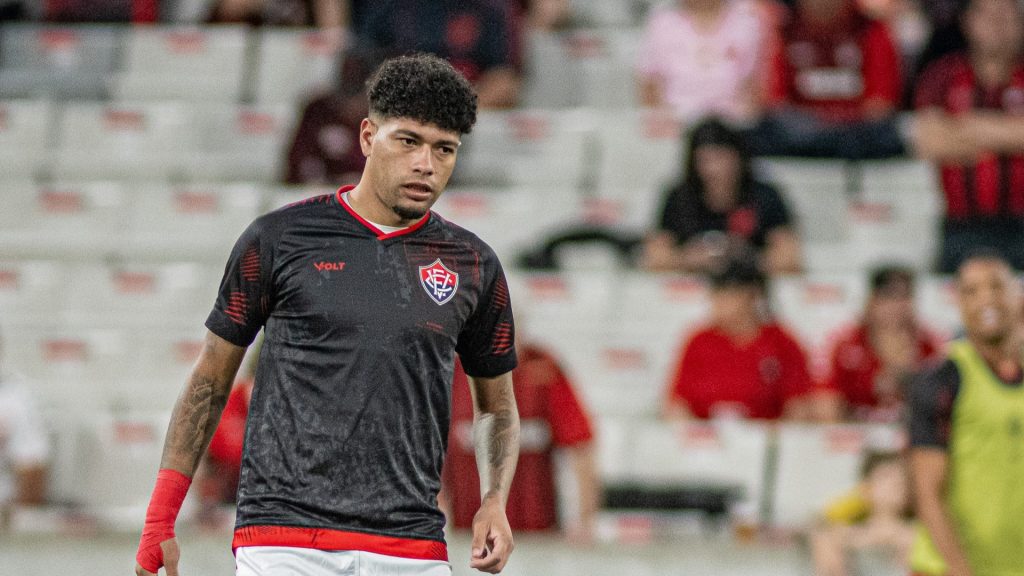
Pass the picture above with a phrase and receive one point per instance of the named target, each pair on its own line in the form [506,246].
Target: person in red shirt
[551,417]
[744,364]
[872,361]
[325,147]
[970,121]
[834,85]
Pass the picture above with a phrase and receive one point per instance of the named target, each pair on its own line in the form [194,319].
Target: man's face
[734,305]
[993,27]
[892,306]
[989,300]
[408,163]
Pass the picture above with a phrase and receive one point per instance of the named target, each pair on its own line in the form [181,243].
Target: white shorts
[290,561]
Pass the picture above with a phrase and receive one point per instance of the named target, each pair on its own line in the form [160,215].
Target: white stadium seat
[57,61]
[186,63]
[728,454]
[33,291]
[62,221]
[198,222]
[24,137]
[292,65]
[816,464]
[123,141]
[527,147]
[239,142]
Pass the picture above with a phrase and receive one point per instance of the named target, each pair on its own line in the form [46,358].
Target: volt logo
[329,266]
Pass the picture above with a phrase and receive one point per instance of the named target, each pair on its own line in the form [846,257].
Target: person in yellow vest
[967,435]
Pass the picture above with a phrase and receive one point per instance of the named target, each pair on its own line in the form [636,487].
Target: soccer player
[967,435]
[365,296]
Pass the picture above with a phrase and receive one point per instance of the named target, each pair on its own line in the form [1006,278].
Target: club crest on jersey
[440,283]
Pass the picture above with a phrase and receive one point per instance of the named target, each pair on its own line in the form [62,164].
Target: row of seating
[125,334]
[780,475]
[230,63]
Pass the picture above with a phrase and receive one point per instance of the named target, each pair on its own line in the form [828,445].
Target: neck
[366,202]
[720,197]
[743,330]
[993,70]
[1002,356]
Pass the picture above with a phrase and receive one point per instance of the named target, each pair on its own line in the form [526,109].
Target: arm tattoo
[193,422]
[496,439]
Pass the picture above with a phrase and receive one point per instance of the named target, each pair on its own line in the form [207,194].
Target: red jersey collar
[381,235]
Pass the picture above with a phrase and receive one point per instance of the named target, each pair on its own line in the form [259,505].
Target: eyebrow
[410,133]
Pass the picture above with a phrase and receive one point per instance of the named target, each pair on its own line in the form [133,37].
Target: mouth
[418,190]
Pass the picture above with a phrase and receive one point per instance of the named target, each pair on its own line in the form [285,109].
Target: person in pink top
[705,57]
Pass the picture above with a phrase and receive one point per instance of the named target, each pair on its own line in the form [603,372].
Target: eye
[447,150]
[407,141]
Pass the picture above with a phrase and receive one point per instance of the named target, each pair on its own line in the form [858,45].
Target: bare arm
[198,408]
[928,467]
[587,487]
[496,438]
[31,483]
[651,93]
[495,435]
[782,254]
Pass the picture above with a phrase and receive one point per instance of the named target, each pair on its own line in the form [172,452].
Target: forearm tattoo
[193,422]
[496,439]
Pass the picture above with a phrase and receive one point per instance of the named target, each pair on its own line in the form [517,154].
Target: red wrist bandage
[169,493]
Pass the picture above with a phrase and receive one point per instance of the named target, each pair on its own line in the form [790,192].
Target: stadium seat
[527,147]
[725,454]
[938,307]
[33,291]
[509,219]
[57,61]
[184,63]
[640,153]
[815,465]
[118,454]
[292,65]
[816,308]
[69,367]
[816,191]
[603,13]
[606,60]
[64,222]
[614,448]
[239,142]
[895,216]
[136,294]
[123,141]
[197,222]
[165,358]
[24,138]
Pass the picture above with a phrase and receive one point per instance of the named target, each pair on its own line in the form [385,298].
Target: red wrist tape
[168,494]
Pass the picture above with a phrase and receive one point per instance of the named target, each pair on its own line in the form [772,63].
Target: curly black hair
[425,88]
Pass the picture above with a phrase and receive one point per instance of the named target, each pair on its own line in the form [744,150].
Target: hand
[171,556]
[492,538]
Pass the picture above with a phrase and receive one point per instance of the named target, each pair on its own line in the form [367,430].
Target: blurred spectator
[703,57]
[720,210]
[971,121]
[874,519]
[327,15]
[325,148]
[872,362]
[73,11]
[835,84]
[547,14]
[24,448]
[946,33]
[479,38]
[552,417]
[744,364]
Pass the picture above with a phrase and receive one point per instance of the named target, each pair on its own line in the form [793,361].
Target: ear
[367,132]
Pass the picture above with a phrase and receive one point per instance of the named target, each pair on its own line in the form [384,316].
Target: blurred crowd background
[728,227]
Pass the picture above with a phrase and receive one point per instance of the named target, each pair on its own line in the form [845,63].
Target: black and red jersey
[349,416]
[993,187]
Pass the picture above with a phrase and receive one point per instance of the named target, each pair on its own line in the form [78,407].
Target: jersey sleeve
[932,395]
[930,89]
[882,77]
[245,298]
[486,345]
[570,424]
[774,213]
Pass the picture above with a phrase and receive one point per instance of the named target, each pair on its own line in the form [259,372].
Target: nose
[423,161]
